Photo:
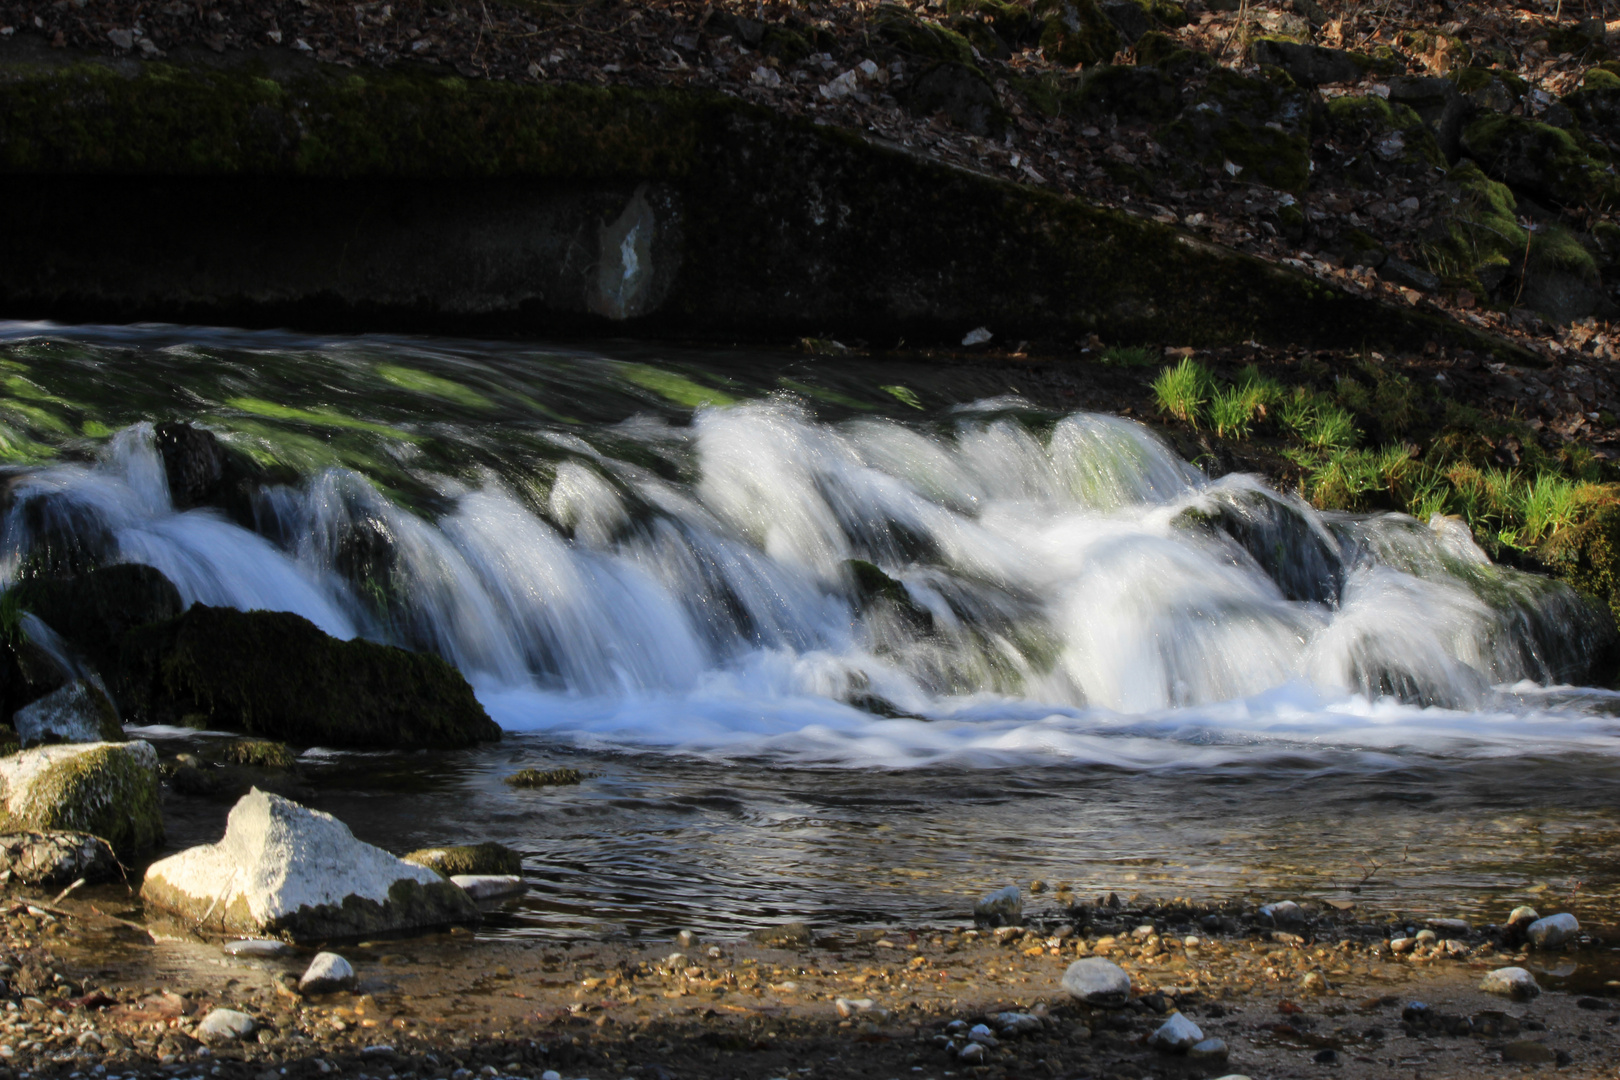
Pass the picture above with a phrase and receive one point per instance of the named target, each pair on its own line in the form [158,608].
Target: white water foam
[876,594]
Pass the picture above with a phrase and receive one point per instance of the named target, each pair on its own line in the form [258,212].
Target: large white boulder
[107,789]
[285,870]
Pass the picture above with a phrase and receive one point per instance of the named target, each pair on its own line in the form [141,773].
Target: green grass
[1182,390]
[1127,356]
[1318,422]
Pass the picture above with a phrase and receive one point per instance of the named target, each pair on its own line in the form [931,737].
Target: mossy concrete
[409,200]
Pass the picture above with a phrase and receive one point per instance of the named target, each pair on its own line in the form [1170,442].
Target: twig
[1524,267]
[1243,11]
[63,895]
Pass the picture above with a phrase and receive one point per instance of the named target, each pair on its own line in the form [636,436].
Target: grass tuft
[1182,390]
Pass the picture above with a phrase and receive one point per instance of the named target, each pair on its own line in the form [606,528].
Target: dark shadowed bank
[412,200]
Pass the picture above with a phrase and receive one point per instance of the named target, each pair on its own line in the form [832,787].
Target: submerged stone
[485,858]
[1004,907]
[284,870]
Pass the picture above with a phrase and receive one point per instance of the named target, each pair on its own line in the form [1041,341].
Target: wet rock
[54,859]
[1285,913]
[260,754]
[489,886]
[538,778]
[1523,915]
[1097,981]
[1176,1035]
[193,463]
[973,1053]
[287,871]
[222,1027]
[276,675]
[1553,931]
[107,789]
[326,974]
[1128,93]
[80,712]
[256,948]
[94,610]
[1310,65]
[1511,982]
[1208,1050]
[1004,907]
[485,858]
[792,935]
[1446,929]
[1013,1024]
[1314,982]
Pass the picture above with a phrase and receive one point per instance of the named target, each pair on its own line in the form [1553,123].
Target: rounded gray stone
[1096,981]
[223,1027]
[1553,931]
[326,974]
[1511,982]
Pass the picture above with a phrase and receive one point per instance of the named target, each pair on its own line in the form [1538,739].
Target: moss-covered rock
[107,789]
[276,675]
[539,778]
[1479,245]
[961,92]
[1539,160]
[1133,94]
[1393,139]
[918,39]
[54,859]
[94,610]
[1255,123]
[1596,105]
[1561,278]
[1438,103]
[260,754]
[1076,32]
[485,858]
[1166,53]
[1490,90]
[1314,65]
[1587,557]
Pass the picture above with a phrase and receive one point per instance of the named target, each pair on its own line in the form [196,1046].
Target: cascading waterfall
[759,581]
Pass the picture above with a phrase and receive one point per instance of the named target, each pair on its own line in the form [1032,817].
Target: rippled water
[842,643]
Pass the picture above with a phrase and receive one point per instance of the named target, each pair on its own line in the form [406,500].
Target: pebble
[1000,908]
[686,939]
[489,886]
[256,948]
[1511,982]
[1402,945]
[1553,931]
[551,1074]
[1522,915]
[1314,982]
[224,1026]
[848,1007]
[1017,1023]
[1209,1050]
[982,1035]
[327,973]
[973,1053]
[1096,981]
[1176,1035]
[1427,937]
[1285,912]
[1449,928]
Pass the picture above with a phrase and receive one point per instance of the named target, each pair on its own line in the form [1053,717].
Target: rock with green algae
[107,789]
[284,870]
[92,611]
[1394,140]
[485,858]
[260,754]
[1313,65]
[1562,281]
[538,778]
[1478,244]
[276,675]
[1540,160]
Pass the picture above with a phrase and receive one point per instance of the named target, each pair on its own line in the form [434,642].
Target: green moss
[1538,158]
[1128,93]
[276,675]
[918,38]
[325,418]
[261,754]
[536,778]
[1600,79]
[1480,241]
[1250,122]
[420,382]
[674,387]
[485,858]
[105,791]
[1371,118]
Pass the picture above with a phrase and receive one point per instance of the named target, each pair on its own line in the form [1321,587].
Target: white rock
[224,1026]
[1001,907]
[286,870]
[982,1035]
[79,712]
[977,336]
[326,974]
[1402,945]
[848,1007]
[489,886]
[1096,981]
[551,1074]
[1176,1035]
[1209,1050]
[256,947]
[1553,931]
[1511,982]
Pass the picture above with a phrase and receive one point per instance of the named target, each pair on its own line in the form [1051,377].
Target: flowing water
[839,641]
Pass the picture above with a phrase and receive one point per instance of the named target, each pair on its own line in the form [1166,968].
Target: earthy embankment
[100,992]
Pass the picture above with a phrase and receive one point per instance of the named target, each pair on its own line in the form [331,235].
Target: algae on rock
[485,858]
[276,675]
[107,789]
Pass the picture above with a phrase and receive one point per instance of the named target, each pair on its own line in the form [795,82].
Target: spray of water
[877,593]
